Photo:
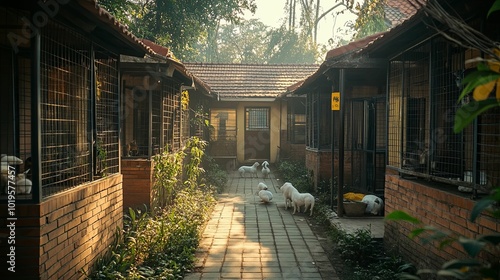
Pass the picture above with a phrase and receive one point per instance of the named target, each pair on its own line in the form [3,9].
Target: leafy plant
[159,246]
[361,256]
[101,156]
[167,173]
[214,176]
[296,173]
[481,83]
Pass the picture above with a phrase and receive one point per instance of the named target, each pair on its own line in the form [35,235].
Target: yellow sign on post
[336,101]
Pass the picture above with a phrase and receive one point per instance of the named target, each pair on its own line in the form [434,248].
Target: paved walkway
[247,239]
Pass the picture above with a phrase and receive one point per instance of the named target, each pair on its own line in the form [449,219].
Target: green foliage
[177,24]
[358,248]
[214,175]
[101,156]
[365,258]
[177,171]
[167,173]
[371,18]
[296,173]
[251,41]
[160,246]
[195,149]
[468,112]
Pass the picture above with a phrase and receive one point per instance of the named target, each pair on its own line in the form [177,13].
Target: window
[257,118]
[296,121]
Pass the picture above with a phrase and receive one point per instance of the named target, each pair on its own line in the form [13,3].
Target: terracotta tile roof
[352,46]
[236,81]
[397,11]
[161,50]
[414,12]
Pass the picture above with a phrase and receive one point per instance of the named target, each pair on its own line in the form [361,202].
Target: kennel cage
[421,139]
[68,118]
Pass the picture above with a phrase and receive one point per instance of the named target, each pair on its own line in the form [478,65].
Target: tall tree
[253,42]
[311,13]
[177,24]
[288,46]
[371,18]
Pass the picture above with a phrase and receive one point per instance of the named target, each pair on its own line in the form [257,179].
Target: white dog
[302,199]
[262,186]
[374,204]
[265,169]
[266,196]
[287,189]
[5,162]
[252,170]
[23,184]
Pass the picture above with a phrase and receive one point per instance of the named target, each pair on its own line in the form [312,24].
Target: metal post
[36,119]
[340,194]
[332,148]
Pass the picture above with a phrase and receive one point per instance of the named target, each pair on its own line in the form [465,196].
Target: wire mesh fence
[425,83]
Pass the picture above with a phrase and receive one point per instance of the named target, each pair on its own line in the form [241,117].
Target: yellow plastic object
[354,196]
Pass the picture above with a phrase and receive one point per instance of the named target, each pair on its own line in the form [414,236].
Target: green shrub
[161,244]
[296,173]
[214,176]
[361,257]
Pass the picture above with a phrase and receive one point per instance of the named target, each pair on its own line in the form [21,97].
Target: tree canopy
[216,31]
[176,24]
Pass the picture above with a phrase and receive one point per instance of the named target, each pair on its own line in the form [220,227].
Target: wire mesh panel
[365,143]
[65,109]
[185,128]
[296,121]
[223,132]
[15,107]
[447,148]
[425,84]
[324,119]
[312,113]
[408,124]
[488,149]
[156,121]
[171,117]
[394,123]
[107,123]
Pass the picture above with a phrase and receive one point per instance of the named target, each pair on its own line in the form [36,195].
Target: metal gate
[366,142]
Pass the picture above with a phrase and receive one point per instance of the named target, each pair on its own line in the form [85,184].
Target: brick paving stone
[247,239]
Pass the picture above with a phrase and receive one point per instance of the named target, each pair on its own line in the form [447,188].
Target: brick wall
[320,163]
[137,182]
[66,233]
[440,208]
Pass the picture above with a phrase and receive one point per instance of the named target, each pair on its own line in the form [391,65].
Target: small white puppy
[262,186]
[252,170]
[266,196]
[287,189]
[374,204]
[265,169]
[302,199]
[23,184]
